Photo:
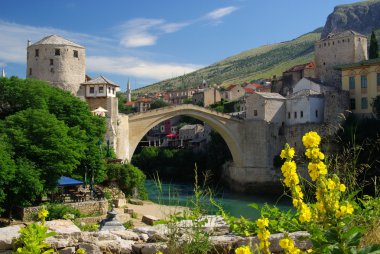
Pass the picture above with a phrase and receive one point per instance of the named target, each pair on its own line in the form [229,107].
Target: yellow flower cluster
[291,180]
[42,214]
[344,209]
[311,139]
[288,245]
[243,250]
[263,234]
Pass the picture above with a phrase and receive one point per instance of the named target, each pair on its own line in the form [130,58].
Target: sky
[146,41]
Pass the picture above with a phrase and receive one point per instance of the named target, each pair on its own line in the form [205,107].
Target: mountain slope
[261,62]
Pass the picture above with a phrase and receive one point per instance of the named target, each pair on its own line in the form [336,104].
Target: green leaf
[254,205]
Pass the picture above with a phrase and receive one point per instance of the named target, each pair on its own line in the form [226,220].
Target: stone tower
[57,61]
[340,48]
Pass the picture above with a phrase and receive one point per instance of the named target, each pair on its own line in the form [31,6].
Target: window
[378,79]
[316,114]
[37,53]
[92,90]
[101,89]
[301,113]
[352,83]
[57,52]
[51,61]
[52,70]
[76,53]
[363,81]
[109,89]
[288,115]
[30,71]
[295,115]
[352,104]
[113,90]
[364,103]
[255,112]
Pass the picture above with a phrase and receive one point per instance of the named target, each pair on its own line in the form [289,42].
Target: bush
[128,178]
[60,211]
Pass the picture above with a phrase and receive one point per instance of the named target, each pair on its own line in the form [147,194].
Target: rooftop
[358,64]
[342,34]
[300,67]
[56,40]
[303,93]
[276,96]
[100,81]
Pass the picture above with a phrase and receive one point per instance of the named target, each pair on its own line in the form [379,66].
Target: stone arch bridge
[252,143]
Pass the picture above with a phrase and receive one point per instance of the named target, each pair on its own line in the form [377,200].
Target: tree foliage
[158,104]
[373,47]
[44,133]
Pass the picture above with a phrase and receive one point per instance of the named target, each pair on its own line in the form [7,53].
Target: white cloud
[138,67]
[220,13]
[143,32]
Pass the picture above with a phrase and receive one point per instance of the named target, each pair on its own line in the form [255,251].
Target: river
[236,204]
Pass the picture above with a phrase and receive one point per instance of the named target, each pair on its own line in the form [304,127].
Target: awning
[67,181]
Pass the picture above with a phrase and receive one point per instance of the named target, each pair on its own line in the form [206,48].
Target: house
[269,107]
[311,84]
[190,132]
[178,97]
[291,76]
[143,104]
[304,106]
[233,92]
[207,96]
[362,81]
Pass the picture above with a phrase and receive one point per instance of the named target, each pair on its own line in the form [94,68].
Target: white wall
[108,90]
[308,105]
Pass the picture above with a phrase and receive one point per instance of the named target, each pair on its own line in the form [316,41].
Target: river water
[236,204]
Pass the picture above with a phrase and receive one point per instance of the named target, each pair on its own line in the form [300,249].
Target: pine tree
[373,47]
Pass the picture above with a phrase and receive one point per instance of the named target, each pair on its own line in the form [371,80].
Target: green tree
[158,104]
[7,171]
[373,47]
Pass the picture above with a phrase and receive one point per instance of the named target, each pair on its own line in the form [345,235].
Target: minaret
[129,91]
[3,72]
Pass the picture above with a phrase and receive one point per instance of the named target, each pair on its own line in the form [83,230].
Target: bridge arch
[138,124]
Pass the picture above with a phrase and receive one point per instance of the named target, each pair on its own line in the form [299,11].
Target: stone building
[291,76]
[101,93]
[179,96]
[57,61]
[206,97]
[339,48]
[269,107]
[233,92]
[362,81]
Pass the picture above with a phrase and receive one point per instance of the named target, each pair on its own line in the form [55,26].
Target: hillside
[261,62]
[269,60]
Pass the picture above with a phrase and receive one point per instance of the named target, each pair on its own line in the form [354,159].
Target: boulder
[126,235]
[90,248]
[7,234]
[149,219]
[149,248]
[62,226]
[136,201]
[68,250]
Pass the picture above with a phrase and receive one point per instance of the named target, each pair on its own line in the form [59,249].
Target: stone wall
[87,208]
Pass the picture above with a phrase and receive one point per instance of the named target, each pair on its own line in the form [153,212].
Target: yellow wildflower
[342,187]
[311,139]
[243,250]
[42,214]
[331,184]
[262,223]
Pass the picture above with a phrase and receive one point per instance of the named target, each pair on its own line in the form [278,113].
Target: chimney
[29,43]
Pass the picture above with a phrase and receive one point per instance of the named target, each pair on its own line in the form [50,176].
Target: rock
[126,246]
[6,252]
[68,250]
[119,202]
[90,248]
[156,229]
[149,219]
[7,234]
[144,237]
[62,226]
[298,237]
[215,225]
[148,248]
[225,242]
[126,235]
[128,210]
[136,201]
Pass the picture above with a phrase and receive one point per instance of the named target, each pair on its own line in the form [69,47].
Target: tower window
[57,52]
[76,53]
[30,71]
[301,114]
[255,112]
[288,115]
[52,70]
[316,113]
[51,61]
[295,115]
[37,53]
